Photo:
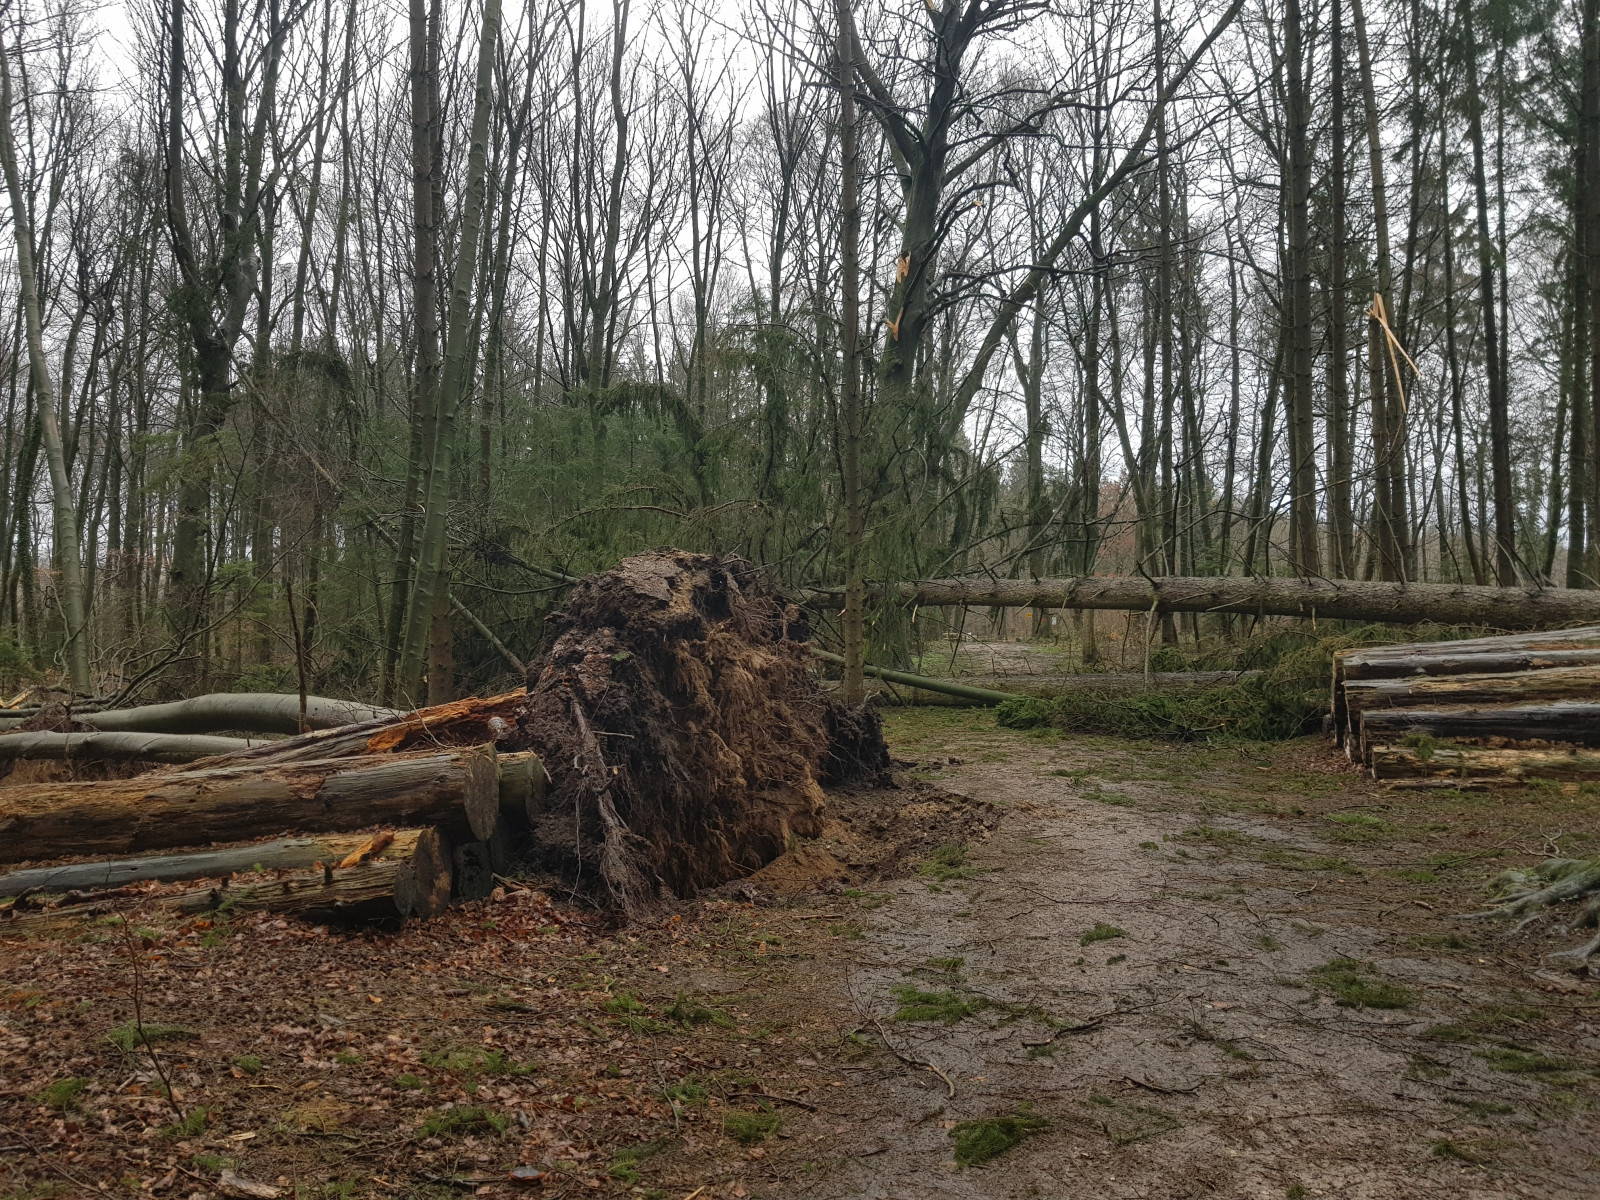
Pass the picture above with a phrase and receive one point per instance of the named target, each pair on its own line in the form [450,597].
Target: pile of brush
[674,738]
[1493,710]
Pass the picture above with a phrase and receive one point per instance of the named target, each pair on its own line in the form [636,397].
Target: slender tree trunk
[850,416]
[1505,513]
[430,591]
[1340,467]
[1302,429]
[66,518]
[1390,522]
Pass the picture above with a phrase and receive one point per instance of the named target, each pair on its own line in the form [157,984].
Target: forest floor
[1169,966]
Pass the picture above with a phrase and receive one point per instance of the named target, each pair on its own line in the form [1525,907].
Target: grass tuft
[1101,933]
[979,1141]
[464,1119]
[127,1038]
[1355,986]
[62,1094]
[949,1007]
[748,1128]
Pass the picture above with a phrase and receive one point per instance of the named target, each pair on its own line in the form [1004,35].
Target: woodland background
[336,298]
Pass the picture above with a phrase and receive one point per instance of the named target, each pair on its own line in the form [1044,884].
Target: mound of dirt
[685,734]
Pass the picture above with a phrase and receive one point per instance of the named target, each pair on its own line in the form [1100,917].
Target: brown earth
[1198,1050]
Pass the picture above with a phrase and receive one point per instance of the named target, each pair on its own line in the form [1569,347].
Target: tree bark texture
[409,873]
[1574,722]
[101,747]
[458,790]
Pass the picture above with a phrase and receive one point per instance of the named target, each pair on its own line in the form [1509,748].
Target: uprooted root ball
[684,732]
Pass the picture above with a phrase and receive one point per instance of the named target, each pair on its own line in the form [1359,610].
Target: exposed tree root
[1526,894]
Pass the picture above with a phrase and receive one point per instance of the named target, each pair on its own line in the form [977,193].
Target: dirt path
[1139,950]
[1196,1047]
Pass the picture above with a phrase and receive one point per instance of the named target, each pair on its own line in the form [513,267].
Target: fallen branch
[947,686]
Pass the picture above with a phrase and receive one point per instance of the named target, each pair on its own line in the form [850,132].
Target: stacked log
[436,804]
[1494,710]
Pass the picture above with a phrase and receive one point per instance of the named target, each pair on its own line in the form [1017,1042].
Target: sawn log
[1464,691]
[1572,722]
[1469,764]
[459,790]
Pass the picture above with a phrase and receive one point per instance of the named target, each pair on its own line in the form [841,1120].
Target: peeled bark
[1470,764]
[458,790]
[409,875]
[1330,599]
[148,747]
[282,854]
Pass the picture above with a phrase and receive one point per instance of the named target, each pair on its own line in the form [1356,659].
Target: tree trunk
[431,584]
[282,854]
[1340,467]
[850,415]
[459,790]
[1504,608]
[1448,764]
[1505,513]
[74,602]
[407,873]
[102,747]
[1576,722]
[1302,428]
[254,712]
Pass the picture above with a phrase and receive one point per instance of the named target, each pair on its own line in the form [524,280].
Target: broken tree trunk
[459,790]
[146,747]
[387,877]
[948,687]
[1520,687]
[469,722]
[1330,599]
[1467,763]
[279,855]
[1574,722]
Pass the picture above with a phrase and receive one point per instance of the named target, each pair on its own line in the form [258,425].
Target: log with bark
[278,855]
[1464,691]
[457,789]
[1571,722]
[246,712]
[387,877]
[1449,763]
[1330,599]
[101,747]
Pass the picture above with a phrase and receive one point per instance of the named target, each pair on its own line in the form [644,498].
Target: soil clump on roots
[684,732]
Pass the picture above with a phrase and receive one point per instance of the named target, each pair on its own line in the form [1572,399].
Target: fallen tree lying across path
[1331,599]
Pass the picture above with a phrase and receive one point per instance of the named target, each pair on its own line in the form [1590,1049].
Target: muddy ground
[1169,963]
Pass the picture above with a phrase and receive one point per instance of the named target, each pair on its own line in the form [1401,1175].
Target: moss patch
[1101,933]
[465,1119]
[748,1128]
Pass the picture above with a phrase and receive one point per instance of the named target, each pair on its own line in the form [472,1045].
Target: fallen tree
[96,746]
[459,790]
[1527,894]
[1330,599]
[388,877]
[278,855]
[252,712]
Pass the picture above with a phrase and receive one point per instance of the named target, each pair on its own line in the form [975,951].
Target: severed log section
[1446,764]
[1572,722]
[145,747]
[388,877]
[1522,687]
[1402,603]
[459,790]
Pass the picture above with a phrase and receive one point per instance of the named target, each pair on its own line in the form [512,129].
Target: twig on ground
[138,1020]
[56,1167]
[914,1062]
